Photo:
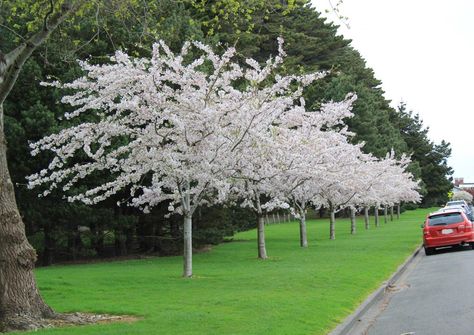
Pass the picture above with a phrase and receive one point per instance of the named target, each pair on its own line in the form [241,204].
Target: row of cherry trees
[199,128]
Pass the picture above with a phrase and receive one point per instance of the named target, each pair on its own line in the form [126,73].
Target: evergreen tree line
[67,231]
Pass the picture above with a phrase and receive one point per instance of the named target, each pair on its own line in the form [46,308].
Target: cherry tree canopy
[463,195]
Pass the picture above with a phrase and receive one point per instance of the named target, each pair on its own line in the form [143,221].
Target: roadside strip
[363,317]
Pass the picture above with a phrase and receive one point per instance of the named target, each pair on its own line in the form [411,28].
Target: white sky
[423,52]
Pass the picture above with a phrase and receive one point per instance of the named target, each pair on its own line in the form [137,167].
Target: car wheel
[429,251]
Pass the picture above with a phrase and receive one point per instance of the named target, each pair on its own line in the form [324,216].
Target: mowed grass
[295,291]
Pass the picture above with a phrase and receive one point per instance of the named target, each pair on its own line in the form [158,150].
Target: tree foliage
[429,159]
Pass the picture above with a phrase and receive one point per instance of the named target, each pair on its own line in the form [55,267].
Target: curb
[354,319]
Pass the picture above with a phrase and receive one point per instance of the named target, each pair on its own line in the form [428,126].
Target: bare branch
[16,58]
[12,31]
[48,14]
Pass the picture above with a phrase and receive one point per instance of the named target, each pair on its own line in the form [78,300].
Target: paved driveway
[436,297]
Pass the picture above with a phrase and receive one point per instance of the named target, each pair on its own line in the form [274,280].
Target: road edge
[354,319]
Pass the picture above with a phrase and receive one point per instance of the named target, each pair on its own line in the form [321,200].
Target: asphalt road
[435,297]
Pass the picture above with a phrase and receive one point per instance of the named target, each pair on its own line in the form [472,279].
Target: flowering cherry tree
[345,178]
[276,160]
[311,147]
[387,183]
[253,184]
[266,156]
[358,179]
[463,195]
[392,183]
[166,128]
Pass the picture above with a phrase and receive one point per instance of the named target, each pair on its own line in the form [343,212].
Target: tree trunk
[21,305]
[188,246]
[398,211]
[187,230]
[262,250]
[303,234]
[366,217]
[353,221]
[391,213]
[332,224]
[376,213]
[385,214]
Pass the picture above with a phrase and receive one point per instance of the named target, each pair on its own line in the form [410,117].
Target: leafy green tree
[429,159]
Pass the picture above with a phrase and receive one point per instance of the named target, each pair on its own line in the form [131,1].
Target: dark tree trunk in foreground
[20,302]
[385,214]
[21,306]
[391,213]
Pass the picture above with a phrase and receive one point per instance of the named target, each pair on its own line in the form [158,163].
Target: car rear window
[445,219]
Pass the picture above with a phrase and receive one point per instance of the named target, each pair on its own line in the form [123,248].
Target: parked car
[457,202]
[466,209]
[449,227]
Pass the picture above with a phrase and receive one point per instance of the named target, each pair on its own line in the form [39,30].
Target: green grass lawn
[296,291]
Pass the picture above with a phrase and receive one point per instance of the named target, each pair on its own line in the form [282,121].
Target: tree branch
[48,14]
[16,58]
[12,31]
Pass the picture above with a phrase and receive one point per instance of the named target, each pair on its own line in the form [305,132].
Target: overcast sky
[423,52]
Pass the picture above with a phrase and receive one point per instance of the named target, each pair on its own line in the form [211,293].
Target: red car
[447,228]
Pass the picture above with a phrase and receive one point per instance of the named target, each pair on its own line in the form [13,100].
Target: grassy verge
[296,291]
